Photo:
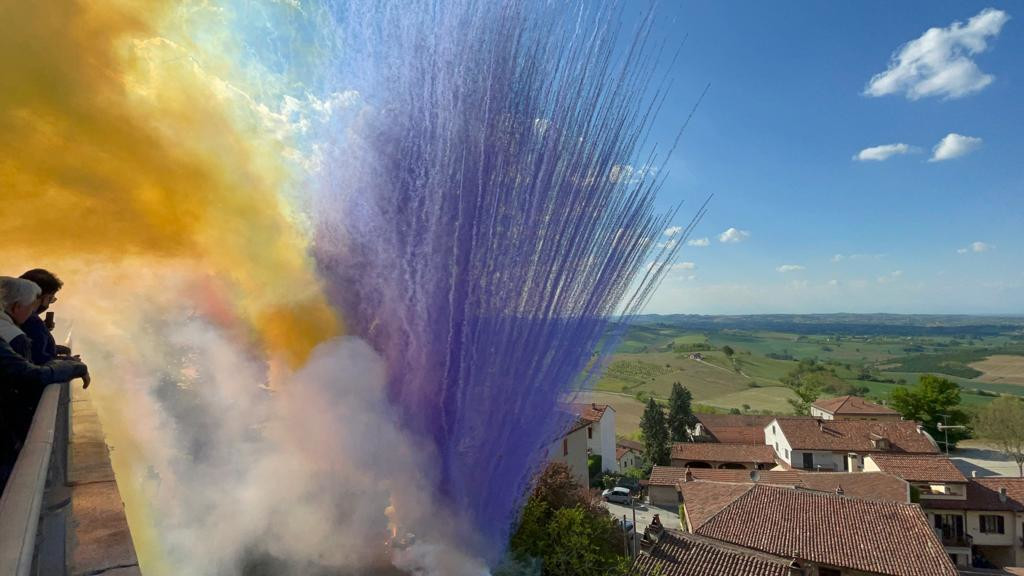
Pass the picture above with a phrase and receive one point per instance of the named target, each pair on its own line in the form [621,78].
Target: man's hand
[86,380]
[63,350]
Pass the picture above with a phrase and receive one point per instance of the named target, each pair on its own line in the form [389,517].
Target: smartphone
[49,321]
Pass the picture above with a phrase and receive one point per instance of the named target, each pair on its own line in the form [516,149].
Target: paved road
[974,456]
[644,515]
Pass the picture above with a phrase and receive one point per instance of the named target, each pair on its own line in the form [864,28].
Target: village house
[935,479]
[712,455]
[730,428]
[860,537]
[851,407]
[834,445]
[600,432]
[629,454]
[571,449]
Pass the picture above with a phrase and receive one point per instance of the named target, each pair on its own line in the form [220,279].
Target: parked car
[618,494]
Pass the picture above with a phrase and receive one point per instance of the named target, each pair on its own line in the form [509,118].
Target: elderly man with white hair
[21,381]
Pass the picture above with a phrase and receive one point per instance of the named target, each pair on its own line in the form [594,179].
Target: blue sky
[775,141]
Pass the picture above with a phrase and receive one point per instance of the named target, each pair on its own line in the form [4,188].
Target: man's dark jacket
[44,347]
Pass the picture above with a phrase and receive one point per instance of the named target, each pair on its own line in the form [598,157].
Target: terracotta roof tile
[714,452]
[864,485]
[638,446]
[679,554]
[670,475]
[735,428]
[702,500]
[856,435]
[870,536]
[852,405]
[591,412]
[919,468]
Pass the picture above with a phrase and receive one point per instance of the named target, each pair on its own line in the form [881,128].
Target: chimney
[755,475]
[839,490]
[1002,495]
[688,477]
[920,429]
[974,473]
[795,569]
[821,426]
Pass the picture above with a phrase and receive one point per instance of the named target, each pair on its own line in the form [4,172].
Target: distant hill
[901,324]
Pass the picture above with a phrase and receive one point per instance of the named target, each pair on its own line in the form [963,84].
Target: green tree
[1002,422]
[931,402]
[654,427]
[562,531]
[728,351]
[680,413]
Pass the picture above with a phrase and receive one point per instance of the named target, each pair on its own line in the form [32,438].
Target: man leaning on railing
[20,379]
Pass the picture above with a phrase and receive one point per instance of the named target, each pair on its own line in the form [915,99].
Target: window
[773,429]
[829,572]
[787,453]
[590,432]
[808,460]
[992,524]
[776,447]
[565,446]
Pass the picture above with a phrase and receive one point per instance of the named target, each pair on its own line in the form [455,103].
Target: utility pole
[945,428]
[632,504]
[625,543]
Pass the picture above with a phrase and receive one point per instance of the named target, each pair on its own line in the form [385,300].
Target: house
[571,449]
[851,407]
[827,534]
[629,454]
[600,432]
[674,553]
[935,479]
[834,445]
[696,356]
[664,490]
[712,455]
[731,428]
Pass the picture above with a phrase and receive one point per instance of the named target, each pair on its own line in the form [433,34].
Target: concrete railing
[39,474]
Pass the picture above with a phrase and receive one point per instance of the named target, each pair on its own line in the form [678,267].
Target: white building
[841,445]
[571,449]
[600,432]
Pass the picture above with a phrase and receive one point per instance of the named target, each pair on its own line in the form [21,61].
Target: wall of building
[664,496]
[607,438]
[820,414]
[774,437]
[630,460]
[576,442]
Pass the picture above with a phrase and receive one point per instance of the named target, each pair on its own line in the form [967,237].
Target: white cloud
[841,257]
[939,63]
[789,268]
[684,266]
[838,258]
[833,282]
[890,277]
[883,152]
[954,146]
[672,231]
[975,247]
[733,236]
[699,242]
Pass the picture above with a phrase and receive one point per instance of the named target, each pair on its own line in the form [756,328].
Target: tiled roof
[864,485]
[735,428]
[702,500]
[919,468]
[591,412]
[856,435]
[621,451]
[983,494]
[714,452]
[851,405]
[870,536]
[638,446]
[679,554]
[670,475]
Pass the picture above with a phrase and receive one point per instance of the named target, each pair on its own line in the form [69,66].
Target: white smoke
[297,479]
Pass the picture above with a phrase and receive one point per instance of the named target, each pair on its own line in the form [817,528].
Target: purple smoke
[478,224]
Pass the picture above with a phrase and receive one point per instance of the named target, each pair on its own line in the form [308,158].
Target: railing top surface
[23,495]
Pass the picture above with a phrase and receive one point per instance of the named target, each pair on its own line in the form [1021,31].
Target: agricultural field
[866,355]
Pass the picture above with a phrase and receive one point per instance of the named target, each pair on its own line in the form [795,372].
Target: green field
[866,355]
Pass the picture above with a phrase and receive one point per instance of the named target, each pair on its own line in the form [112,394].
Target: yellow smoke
[119,136]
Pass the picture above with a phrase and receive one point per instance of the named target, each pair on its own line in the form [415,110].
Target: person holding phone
[44,347]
